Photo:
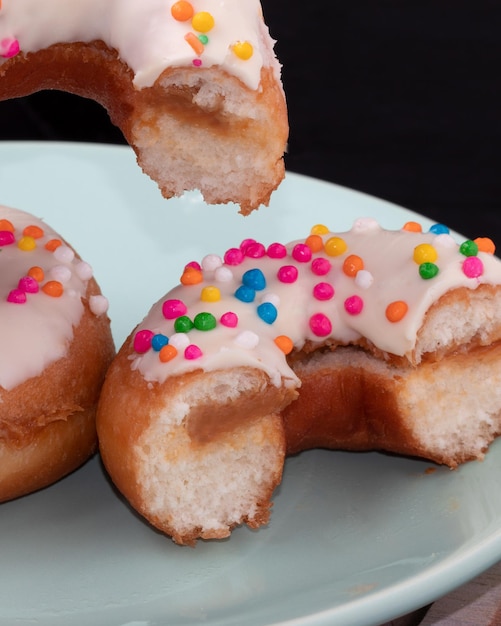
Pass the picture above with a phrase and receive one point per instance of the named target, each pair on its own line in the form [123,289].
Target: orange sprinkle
[53,288]
[191,276]
[33,231]
[413,227]
[284,343]
[167,353]
[485,244]
[37,273]
[182,11]
[396,311]
[53,244]
[353,264]
[314,242]
[6,224]
[195,43]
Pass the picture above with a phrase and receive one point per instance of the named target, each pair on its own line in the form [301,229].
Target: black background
[398,99]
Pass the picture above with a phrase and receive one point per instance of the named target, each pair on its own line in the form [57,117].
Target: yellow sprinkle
[335,246]
[27,243]
[319,229]
[210,294]
[425,253]
[243,50]
[202,21]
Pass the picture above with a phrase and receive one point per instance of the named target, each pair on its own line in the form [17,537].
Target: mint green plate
[354,539]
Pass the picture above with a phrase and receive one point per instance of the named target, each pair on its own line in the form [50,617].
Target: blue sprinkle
[158,342]
[245,294]
[267,312]
[439,229]
[254,279]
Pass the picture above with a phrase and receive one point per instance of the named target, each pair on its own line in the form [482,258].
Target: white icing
[144,33]
[390,274]
[37,332]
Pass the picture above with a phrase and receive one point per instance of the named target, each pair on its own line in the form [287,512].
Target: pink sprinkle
[323,291]
[28,284]
[255,250]
[320,325]
[16,296]
[229,319]
[192,352]
[197,62]
[173,309]
[9,47]
[473,267]
[6,237]
[320,267]
[354,305]
[301,253]
[277,251]
[245,243]
[194,265]
[287,274]
[142,341]
[233,256]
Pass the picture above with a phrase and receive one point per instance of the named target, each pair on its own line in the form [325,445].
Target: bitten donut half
[369,339]
[56,345]
[194,86]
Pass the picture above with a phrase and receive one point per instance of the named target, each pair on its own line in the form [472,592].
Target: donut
[194,86]
[56,345]
[370,339]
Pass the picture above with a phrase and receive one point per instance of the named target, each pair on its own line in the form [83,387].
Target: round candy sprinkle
[468,248]
[6,224]
[396,311]
[473,267]
[203,22]
[167,353]
[439,229]
[6,237]
[98,304]
[158,341]
[37,273]
[425,253]
[245,243]
[428,270]
[446,240]
[16,296]
[287,274]
[245,294]
[142,341]
[210,294]
[364,279]
[243,50]
[354,305]
[323,291]
[62,273]
[223,274]
[52,244]
[365,224]
[320,325]
[191,276]
[179,341]
[413,227]
[247,339]
[284,343]
[84,270]
[204,321]
[27,243]
[255,250]
[211,262]
[485,245]
[229,319]
[53,288]
[320,266]
[335,246]
[183,324]
[173,308]
[9,47]
[301,253]
[194,265]
[204,39]
[28,284]
[276,251]
[182,11]
[33,231]
[352,264]
[233,256]
[274,298]
[254,279]
[197,62]
[192,352]
[314,242]
[64,254]
[319,229]
[267,312]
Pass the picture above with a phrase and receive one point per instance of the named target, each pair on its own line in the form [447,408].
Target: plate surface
[355,539]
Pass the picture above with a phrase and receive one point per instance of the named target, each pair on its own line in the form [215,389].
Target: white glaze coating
[390,274]
[148,39]
[37,332]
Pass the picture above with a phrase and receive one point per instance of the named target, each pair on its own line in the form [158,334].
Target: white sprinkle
[98,305]
[223,274]
[64,254]
[84,270]
[211,262]
[180,341]
[273,298]
[364,279]
[364,224]
[247,339]
[446,240]
[60,273]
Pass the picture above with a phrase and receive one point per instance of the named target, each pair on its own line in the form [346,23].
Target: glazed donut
[194,86]
[370,339]
[56,346]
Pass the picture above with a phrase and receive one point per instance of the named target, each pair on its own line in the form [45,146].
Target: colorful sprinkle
[179,341]
[485,244]
[192,352]
[413,227]
[247,339]
[428,270]
[315,243]
[6,238]
[319,229]
[173,308]
[352,264]
[364,279]
[301,253]
[211,262]
[52,244]
[191,276]
[183,324]
[473,267]
[6,225]
[9,47]
[195,43]
[284,343]
[28,284]
[396,311]
[254,279]
[33,231]
[233,256]
[64,254]
[16,296]
[320,266]
[229,319]
[287,274]
[223,274]
[158,341]
[320,325]
[335,246]
[27,244]
[425,253]
[276,251]
[243,50]
[182,11]
[468,248]
[37,273]
[167,353]
[210,294]
[354,305]
[142,341]
[255,250]
[203,22]
[267,312]
[245,294]
[53,288]
[204,321]
[323,291]
[439,229]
